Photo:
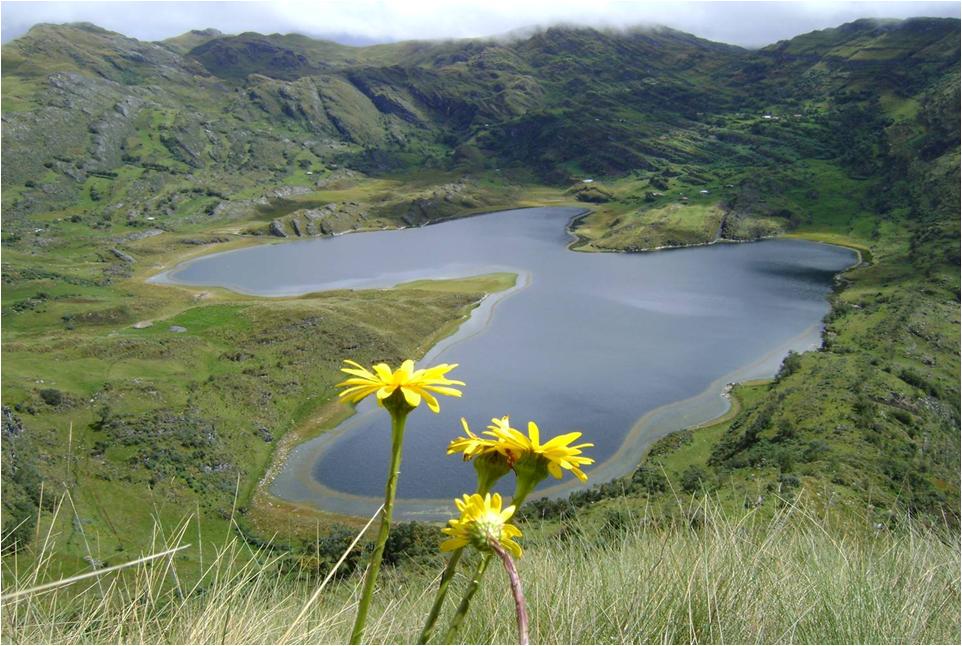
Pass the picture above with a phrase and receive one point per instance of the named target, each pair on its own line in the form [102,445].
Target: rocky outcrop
[123,256]
[277,229]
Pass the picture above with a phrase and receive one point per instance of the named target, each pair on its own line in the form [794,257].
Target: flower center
[485,529]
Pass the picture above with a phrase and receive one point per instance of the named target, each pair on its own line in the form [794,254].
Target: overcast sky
[750,24]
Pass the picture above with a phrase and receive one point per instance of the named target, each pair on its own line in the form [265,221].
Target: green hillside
[123,157]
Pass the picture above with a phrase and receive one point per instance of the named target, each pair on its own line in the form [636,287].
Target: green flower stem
[522,488]
[466,600]
[446,577]
[529,472]
[483,486]
[520,608]
[399,413]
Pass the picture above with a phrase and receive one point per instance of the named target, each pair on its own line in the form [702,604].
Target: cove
[622,347]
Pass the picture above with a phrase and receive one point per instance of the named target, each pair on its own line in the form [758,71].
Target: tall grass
[788,579]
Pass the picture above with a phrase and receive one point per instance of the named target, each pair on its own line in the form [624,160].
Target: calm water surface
[623,347]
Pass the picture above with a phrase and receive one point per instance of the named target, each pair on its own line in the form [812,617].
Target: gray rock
[277,229]
[120,254]
[288,191]
[177,329]
[12,426]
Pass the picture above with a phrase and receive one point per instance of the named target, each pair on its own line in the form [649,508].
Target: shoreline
[162,275]
[819,238]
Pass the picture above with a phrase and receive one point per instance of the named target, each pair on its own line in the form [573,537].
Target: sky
[360,22]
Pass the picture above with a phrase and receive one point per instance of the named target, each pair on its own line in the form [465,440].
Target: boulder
[277,229]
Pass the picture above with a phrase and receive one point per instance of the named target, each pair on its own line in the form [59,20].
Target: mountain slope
[122,157]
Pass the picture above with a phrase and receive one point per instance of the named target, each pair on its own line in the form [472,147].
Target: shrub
[693,479]
[649,479]
[51,396]
[412,542]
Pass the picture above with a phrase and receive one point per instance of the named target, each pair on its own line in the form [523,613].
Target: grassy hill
[123,157]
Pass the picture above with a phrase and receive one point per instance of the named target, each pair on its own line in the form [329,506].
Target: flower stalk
[399,392]
[488,471]
[446,577]
[521,609]
[399,410]
[462,610]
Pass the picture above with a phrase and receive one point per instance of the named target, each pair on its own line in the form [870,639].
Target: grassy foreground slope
[795,578]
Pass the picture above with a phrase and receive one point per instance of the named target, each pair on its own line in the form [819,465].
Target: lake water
[623,347]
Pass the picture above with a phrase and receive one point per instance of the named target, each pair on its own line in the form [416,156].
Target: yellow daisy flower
[481,521]
[473,445]
[558,451]
[414,385]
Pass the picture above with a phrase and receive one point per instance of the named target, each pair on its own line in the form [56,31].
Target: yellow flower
[557,452]
[482,520]
[472,445]
[413,384]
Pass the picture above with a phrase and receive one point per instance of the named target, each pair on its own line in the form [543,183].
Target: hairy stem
[519,605]
[398,418]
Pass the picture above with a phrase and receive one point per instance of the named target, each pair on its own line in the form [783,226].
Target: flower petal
[534,434]
[411,396]
[452,544]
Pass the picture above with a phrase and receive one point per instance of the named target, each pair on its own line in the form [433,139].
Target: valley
[129,404]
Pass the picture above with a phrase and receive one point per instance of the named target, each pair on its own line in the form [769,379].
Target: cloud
[748,24]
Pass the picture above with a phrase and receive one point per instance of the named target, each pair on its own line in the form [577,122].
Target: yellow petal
[443,390]
[452,544]
[562,440]
[359,372]
[355,381]
[534,434]
[411,397]
[431,402]
[510,531]
[512,547]
[383,372]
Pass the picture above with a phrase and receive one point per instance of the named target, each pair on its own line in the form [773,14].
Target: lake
[623,347]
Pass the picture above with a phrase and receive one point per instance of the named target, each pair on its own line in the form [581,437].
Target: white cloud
[744,23]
